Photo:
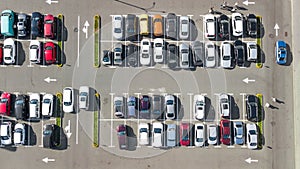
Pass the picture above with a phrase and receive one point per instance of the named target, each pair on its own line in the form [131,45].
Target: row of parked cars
[36,25]
[166,135]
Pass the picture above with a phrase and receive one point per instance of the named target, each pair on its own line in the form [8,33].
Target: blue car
[280,52]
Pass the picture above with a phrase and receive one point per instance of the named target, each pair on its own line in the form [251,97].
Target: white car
[144,134]
[199,107]
[84,93]
[119,107]
[117,27]
[118,54]
[226,55]
[170,107]
[199,134]
[209,26]
[184,27]
[9,53]
[184,53]
[251,136]
[6,133]
[68,100]
[47,105]
[224,105]
[237,24]
[251,51]
[34,106]
[145,52]
[238,131]
[158,50]
[19,134]
[35,51]
[157,130]
[210,55]
[212,134]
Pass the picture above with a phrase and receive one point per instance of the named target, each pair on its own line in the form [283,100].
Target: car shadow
[193,30]
[57,104]
[62,31]
[261,55]
[179,108]
[260,29]
[60,55]
[76,104]
[132,139]
[210,113]
[20,54]
[62,143]
[31,136]
[289,58]
[235,111]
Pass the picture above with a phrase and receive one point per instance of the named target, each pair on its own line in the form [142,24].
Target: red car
[122,136]
[184,134]
[225,131]
[49,26]
[5,104]
[50,53]
[1,53]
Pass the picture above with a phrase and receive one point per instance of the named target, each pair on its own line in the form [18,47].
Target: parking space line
[231,146]
[78,39]
[218,146]
[111,118]
[125,110]
[177,111]
[217,106]
[41,144]
[191,107]
[243,102]
[77,121]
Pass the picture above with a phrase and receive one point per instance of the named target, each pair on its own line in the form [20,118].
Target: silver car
[170,107]
[171,135]
[131,105]
[184,27]
[184,55]
[117,27]
[118,54]
[238,130]
[22,23]
[84,97]
[156,107]
[119,107]
[210,55]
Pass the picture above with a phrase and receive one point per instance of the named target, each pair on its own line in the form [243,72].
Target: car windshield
[19,102]
[131,103]
[226,57]
[238,18]
[170,102]
[4,100]
[226,136]
[210,58]
[158,45]
[47,101]
[143,130]
[185,135]
[47,132]
[48,21]
[145,55]
[118,103]
[225,106]
[199,139]
[157,130]
[252,132]
[82,99]
[212,138]
[7,47]
[33,47]
[4,137]
[83,94]
[118,30]
[33,101]
[48,48]
[121,133]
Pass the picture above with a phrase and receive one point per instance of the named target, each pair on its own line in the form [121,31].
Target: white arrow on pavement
[249,160]
[68,129]
[50,2]
[276,27]
[46,160]
[247,80]
[248,3]
[85,28]
[48,80]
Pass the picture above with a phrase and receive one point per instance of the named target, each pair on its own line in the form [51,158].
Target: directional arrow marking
[48,80]
[68,129]
[249,160]
[276,27]
[46,160]
[50,2]
[248,3]
[247,80]
[85,28]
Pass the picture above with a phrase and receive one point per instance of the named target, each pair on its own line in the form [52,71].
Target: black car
[171,26]
[131,27]
[132,55]
[51,136]
[223,22]
[252,108]
[252,25]
[198,53]
[37,25]
[21,107]
[239,52]
[172,56]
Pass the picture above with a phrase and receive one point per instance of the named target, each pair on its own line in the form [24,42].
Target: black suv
[252,108]
[223,22]
[239,52]
[252,25]
[131,27]
[37,25]
[21,107]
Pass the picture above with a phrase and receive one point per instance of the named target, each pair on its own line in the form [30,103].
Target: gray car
[156,107]
[22,25]
[131,105]
[238,132]
[171,135]
[84,97]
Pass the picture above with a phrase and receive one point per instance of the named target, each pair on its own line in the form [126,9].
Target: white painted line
[231,94]
[243,102]
[3,66]
[138,146]
[42,131]
[41,146]
[42,93]
[111,146]
[77,121]
[244,146]
[190,146]
[78,39]
[43,66]
[112,67]
[111,118]
[217,146]
[190,94]
[230,146]
[17,66]
[30,65]
[204,94]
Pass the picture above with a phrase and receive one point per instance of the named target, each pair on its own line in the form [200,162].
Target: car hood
[3,108]
[45,109]
[144,139]
[82,102]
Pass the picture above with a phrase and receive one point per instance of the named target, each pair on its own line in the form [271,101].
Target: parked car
[119,107]
[158,50]
[117,27]
[144,107]
[131,105]
[132,55]
[156,112]
[223,22]
[84,93]
[1,52]
[49,26]
[210,55]
[184,53]
[35,49]
[226,58]
[107,56]
[251,51]
[50,53]
[145,52]
[199,107]
[21,107]
[171,135]
[209,23]
[7,23]
[19,134]
[34,106]
[239,52]
[157,130]
[238,131]
[184,27]
[22,25]
[68,100]
[47,105]
[118,49]
[252,107]
[5,104]
[172,56]
[184,134]
[199,135]
[224,105]
[251,135]
[212,134]
[225,132]
[51,136]
[37,24]
[144,24]
[9,48]
[170,107]
[171,26]
[131,27]
[198,53]
[6,133]
[252,25]
[281,52]
[144,134]
[122,137]
[157,25]
[237,24]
